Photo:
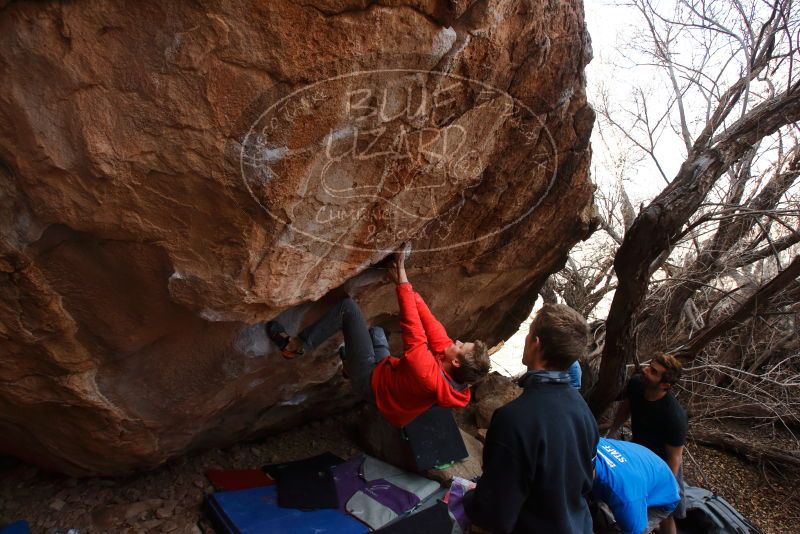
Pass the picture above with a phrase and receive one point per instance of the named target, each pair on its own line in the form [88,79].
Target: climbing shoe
[277,334]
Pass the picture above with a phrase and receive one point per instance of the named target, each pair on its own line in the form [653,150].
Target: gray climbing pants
[363,347]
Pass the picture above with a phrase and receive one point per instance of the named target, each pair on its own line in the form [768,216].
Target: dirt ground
[169,499]
[769,498]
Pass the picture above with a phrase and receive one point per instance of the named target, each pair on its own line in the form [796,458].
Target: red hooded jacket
[405,387]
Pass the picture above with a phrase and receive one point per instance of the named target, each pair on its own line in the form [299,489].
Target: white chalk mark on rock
[211,315]
[443,42]
[295,400]
[252,341]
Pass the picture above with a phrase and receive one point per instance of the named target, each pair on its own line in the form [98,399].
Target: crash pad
[319,462]
[238,479]
[307,489]
[432,520]
[434,438]
[256,510]
[17,527]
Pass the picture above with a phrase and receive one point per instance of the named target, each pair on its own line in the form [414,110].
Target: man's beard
[649,386]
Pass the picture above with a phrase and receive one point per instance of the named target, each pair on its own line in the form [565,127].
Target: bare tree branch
[751,306]
[655,228]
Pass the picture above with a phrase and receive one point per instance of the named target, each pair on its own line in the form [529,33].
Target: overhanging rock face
[173,175]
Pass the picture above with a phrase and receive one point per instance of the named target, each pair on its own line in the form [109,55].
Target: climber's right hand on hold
[397,269]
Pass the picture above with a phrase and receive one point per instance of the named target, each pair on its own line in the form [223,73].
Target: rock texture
[174,174]
[496,391]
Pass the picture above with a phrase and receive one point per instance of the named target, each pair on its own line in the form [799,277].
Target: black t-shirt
[655,423]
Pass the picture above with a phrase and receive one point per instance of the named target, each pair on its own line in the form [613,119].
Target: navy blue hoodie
[537,464]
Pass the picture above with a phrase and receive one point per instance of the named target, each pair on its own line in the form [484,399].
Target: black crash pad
[435,439]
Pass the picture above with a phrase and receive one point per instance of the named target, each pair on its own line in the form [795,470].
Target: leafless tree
[588,276]
[725,226]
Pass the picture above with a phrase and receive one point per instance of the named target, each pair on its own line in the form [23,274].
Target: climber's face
[458,348]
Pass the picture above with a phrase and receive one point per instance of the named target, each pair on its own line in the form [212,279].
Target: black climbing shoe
[277,334]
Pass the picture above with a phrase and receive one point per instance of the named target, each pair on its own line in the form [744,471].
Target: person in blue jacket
[635,483]
[575,375]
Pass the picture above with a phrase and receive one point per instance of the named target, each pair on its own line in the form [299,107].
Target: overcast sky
[612,28]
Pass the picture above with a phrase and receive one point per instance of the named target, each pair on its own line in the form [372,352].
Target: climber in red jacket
[433,369]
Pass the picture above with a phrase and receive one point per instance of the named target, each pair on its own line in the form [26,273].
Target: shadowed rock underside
[153,214]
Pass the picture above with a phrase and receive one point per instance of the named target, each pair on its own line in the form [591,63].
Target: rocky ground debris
[169,499]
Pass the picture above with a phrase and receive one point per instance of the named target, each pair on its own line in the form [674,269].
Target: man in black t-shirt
[657,419]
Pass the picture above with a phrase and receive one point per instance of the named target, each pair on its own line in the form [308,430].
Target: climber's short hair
[474,364]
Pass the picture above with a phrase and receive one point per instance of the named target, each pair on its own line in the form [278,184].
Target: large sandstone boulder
[492,393]
[172,174]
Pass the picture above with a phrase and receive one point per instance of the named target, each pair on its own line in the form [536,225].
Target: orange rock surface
[173,174]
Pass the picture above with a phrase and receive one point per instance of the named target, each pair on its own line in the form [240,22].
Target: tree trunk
[755,453]
[748,308]
[658,225]
[709,262]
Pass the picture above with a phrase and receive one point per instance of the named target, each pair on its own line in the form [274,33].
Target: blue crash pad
[256,510]
[17,527]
